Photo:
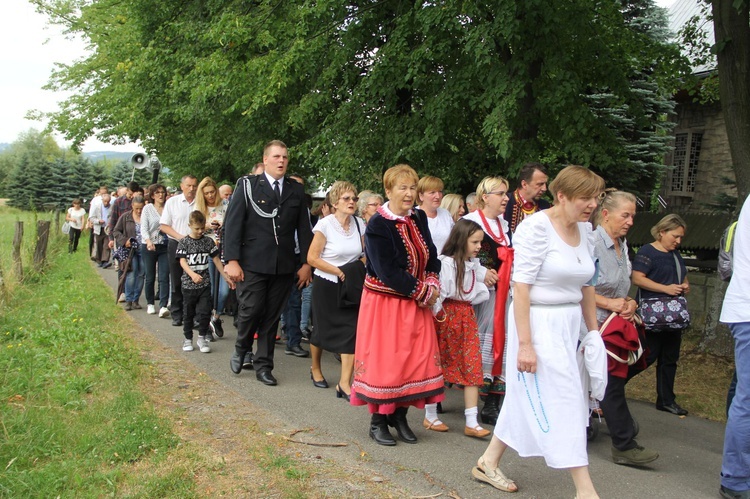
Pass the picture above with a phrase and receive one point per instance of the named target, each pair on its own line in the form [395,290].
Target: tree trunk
[42,236]
[17,239]
[732,32]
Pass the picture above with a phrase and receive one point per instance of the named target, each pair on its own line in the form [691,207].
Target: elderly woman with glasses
[154,251]
[368,204]
[337,247]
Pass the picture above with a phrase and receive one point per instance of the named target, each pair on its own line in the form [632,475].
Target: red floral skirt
[396,359]
[458,338]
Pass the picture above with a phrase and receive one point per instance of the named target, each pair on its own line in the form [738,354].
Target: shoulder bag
[350,289]
[665,313]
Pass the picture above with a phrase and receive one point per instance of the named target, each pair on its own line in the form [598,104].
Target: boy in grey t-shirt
[194,252]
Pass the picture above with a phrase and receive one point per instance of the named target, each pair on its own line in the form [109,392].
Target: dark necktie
[277,191]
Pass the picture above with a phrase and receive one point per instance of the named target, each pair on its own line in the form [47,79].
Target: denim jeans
[735,466]
[134,279]
[306,305]
[217,299]
[292,313]
[153,262]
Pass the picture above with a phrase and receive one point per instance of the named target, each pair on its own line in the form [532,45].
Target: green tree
[459,89]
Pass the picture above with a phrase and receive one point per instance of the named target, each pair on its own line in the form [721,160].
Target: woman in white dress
[439,220]
[545,413]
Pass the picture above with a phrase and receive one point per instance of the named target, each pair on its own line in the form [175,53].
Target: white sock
[471,417]
[430,412]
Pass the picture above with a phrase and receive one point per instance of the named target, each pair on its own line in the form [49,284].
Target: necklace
[498,239]
[471,288]
[539,397]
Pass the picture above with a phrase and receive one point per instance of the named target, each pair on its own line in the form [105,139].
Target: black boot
[398,421]
[379,430]
[491,408]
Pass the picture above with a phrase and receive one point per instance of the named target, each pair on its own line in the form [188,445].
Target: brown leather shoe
[477,432]
[436,426]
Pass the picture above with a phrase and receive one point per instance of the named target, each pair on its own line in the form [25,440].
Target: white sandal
[493,477]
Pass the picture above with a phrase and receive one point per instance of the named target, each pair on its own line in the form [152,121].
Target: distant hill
[4,145]
[111,155]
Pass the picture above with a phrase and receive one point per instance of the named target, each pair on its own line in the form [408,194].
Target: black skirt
[335,328]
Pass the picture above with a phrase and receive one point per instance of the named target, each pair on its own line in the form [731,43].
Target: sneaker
[151,309]
[163,312]
[128,306]
[216,327]
[187,345]
[121,299]
[136,306]
[637,456]
[203,344]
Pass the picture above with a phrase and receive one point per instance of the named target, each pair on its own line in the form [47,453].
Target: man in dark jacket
[263,215]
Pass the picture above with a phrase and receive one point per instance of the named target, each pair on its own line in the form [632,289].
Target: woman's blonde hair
[575,181]
[670,222]
[338,189]
[452,203]
[398,172]
[611,200]
[487,185]
[200,199]
[429,183]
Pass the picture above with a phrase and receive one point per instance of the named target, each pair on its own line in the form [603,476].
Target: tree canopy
[458,89]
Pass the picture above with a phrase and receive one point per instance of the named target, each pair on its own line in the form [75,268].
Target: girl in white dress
[545,410]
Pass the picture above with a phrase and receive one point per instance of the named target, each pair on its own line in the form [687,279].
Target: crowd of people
[517,301]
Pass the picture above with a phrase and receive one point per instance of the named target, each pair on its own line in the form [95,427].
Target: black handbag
[350,289]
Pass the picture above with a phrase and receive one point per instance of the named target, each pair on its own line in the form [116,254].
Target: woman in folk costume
[396,358]
[496,255]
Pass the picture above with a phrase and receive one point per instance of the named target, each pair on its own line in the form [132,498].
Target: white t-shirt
[176,214]
[341,248]
[735,308]
[77,216]
[440,228]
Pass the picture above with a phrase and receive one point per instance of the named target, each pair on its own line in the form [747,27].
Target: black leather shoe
[379,431]
[266,378]
[235,363]
[297,351]
[177,322]
[673,408]
[398,421]
[247,362]
[318,384]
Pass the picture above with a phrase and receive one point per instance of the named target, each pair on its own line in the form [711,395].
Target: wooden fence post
[17,264]
[42,236]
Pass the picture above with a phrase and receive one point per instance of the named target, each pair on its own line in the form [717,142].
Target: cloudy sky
[29,49]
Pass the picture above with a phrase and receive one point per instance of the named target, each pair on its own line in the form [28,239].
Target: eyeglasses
[373,204]
[160,192]
[346,199]
[499,193]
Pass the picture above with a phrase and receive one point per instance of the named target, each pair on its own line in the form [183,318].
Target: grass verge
[92,406]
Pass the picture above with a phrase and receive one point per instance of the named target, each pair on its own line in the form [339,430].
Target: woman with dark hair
[396,359]
[128,234]
[154,251]
[546,410]
[75,217]
[337,243]
[660,272]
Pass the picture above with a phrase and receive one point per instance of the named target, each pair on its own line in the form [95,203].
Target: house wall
[714,162]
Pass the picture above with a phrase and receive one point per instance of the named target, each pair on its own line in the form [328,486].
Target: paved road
[690,448]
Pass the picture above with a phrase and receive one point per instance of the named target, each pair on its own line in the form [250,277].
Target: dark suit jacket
[249,238]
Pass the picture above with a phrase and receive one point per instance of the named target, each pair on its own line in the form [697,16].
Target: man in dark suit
[260,223]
